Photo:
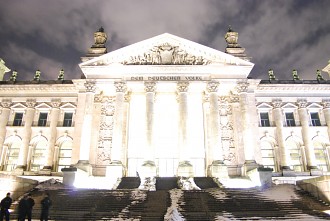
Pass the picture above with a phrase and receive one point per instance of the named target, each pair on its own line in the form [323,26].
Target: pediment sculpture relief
[166,54]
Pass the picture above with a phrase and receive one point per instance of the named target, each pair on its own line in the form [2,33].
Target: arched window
[38,153]
[64,145]
[11,150]
[321,155]
[296,155]
[267,146]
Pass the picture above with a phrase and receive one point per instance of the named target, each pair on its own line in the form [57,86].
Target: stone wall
[318,187]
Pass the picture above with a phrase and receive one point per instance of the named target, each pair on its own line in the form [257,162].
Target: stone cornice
[293,87]
[38,87]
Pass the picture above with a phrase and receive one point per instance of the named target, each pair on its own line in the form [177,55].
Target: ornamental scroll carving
[242,87]
[6,103]
[120,86]
[302,103]
[326,103]
[212,86]
[182,86]
[166,54]
[277,103]
[56,103]
[105,131]
[90,86]
[149,86]
[31,103]
[227,131]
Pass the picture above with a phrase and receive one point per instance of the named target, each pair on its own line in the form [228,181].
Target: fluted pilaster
[4,116]
[304,120]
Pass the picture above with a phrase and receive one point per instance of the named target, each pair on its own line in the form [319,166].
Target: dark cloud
[278,34]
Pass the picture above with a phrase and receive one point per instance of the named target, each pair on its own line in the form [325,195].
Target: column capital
[149,86]
[212,86]
[302,103]
[326,103]
[121,86]
[90,86]
[242,87]
[56,103]
[277,103]
[31,103]
[6,103]
[182,86]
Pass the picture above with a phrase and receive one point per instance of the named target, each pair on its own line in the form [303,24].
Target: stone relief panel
[105,131]
[166,54]
[227,131]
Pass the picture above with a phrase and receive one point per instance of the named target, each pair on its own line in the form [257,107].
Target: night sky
[278,34]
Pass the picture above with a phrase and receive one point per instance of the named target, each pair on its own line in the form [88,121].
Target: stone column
[247,125]
[304,120]
[87,129]
[54,118]
[284,152]
[185,168]
[4,116]
[217,168]
[149,166]
[116,168]
[28,121]
[326,112]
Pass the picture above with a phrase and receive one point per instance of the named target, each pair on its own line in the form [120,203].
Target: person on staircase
[45,205]
[5,205]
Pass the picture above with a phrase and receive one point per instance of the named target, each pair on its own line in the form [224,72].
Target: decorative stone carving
[37,75]
[90,86]
[31,103]
[166,54]
[277,103]
[183,86]
[56,103]
[98,97]
[105,131]
[212,86]
[150,86]
[242,87]
[100,37]
[326,103]
[233,98]
[6,103]
[120,86]
[13,76]
[302,103]
[227,131]
[61,75]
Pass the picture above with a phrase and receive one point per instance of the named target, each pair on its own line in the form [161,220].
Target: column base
[19,170]
[185,169]
[115,170]
[85,166]
[148,169]
[261,176]
[316,172]
[248,166]
[218,169]
[69,176]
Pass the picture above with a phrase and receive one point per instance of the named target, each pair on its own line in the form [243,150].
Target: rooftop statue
[271,75]
[100,37]
[37,75]
[295,75]
[319,76]
[13,76]
[61,75]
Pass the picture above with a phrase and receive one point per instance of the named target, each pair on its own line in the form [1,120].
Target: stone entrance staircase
[281,202]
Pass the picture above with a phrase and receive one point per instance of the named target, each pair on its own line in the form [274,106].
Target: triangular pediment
[18,106]
[314,106]
[165,53]
[68,106]
[165,49]
[289,106]
[43,106]
[264,106]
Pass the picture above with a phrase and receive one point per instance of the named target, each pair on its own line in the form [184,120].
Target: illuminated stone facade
[165,106]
